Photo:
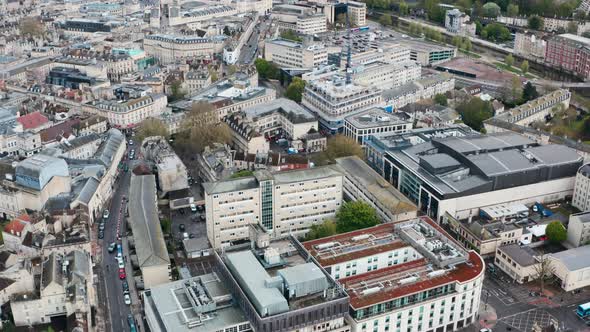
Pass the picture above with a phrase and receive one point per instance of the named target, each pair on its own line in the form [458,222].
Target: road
[117,310]
[248,52]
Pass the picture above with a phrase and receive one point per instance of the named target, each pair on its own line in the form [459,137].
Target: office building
[581,197]
[361,126]
[332,99]
[289,54]
[528,45]
[412,92]
[458,174]
[518,262]
[282,203]
[129,111]
[406,276]
[578,229]
[569,52]
[300,19]
[172,48]
[428,54]
[362,183]
[386,75]
[280,289]
[202,302]
[69,78]
[357,13]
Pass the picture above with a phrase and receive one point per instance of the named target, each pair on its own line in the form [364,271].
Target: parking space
[525,321]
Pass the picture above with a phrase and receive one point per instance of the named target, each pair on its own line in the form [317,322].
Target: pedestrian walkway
[487,316]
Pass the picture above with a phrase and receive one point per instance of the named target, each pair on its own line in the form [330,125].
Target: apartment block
[171,48]
[528,45]
[578,229]
[537,109]
[581,197]
[282,203]
[301,19]
[569,52]
[405,276]
[424,88]
[357,13]
[288,54]
[386,75]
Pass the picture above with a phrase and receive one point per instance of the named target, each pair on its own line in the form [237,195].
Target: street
[110,285]
[248,51]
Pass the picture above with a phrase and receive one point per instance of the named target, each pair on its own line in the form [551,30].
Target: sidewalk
[136,308]
[487,316]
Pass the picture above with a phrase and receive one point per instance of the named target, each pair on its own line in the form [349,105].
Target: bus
[583,310]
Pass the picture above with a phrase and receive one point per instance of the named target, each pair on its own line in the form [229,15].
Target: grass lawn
[515,70]
[470,54]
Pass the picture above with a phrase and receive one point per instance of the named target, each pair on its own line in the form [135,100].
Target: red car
[122,274]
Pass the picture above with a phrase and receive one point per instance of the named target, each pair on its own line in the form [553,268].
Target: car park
[127,299]
[112,247]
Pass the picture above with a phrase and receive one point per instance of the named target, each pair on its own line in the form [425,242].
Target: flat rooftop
[375,117]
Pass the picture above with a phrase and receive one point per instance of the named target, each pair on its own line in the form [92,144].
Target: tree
[385,19]
[465,5]
[535,22]
[457,41]
[441,99]
[266,69]
[475,111]
[496,32]
[339,146]
[467,44]
[544,269]
[242,173]
[491,9]
[166,225]
[151,127]
[295,89]
[512,10]
[201,128]
[290,35]
[318,231]
[404,10]
[176,90]
[31,26]
[529,92]
[509,60]
[524,66]
[355,215]
[341,19]
[478,27]
[556,232]
[232,69]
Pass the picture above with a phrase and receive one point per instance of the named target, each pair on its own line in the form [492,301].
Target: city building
[289,54]
[537,109]
[569,52]
[581,197]
[406,276]
[150,247]
[428,54]
[357,13]
[282,203]
[570,271]
[196,81]
[300,19]
[519,262]
[203,302]
[528,45]
[361,182]
[361,126]
[332,99]
[172,173]
[458,174]
[386,75]
[69,77]
[169,49]
[412,92]
[281,289]
[578,229]
[459,23]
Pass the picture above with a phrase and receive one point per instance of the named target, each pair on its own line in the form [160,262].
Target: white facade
[129,113]
[578,229]
[422,89]
[387,75]
[357,13]
[581,197]
[374,121]
[171,48]
[290,54]
[529,45]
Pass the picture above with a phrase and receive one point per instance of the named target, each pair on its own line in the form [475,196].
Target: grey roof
[230,185]
[585,170]
[375,117]
[78,142]
[290,109]
[143,218]
[305,174]
[523,256]
[106,152]
[574,259]
[88,190]
[485,142]
[252,278]
[36,171]
[583,217]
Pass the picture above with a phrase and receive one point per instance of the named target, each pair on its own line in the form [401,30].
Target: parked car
[112,247]
[121,264]
[181,227]
[191,236]
[105,214]
[122,274]
[101,226]
[100,234]
[193,207]
[127,299]
[125,286]
[131,322]
[130,142]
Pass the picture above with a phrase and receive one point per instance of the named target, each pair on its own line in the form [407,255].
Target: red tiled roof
[64,129]
[32,120]
[462,273]
[17,225]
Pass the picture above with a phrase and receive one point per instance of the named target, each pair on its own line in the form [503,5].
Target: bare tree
[151,127]
[544,270]
[202,128]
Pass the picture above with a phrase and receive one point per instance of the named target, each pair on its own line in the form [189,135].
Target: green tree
[477,8]
[512,10]
[295,89]
[474,112]
[524,66]
[176,90]
[465,5]
[385,19]
[242,173]
[467,46]
[201,128]
[441,99]
[496,32]
[491,9]
[290,35]
[327,228]
[457,41]
[151,127]
[266,69]
[535,22]
[556,232]
[355,215]
[478,27]
[529,92]
[232,69]
[509,60]
[404,10]
[339,146]
[226,31]
[166,225]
